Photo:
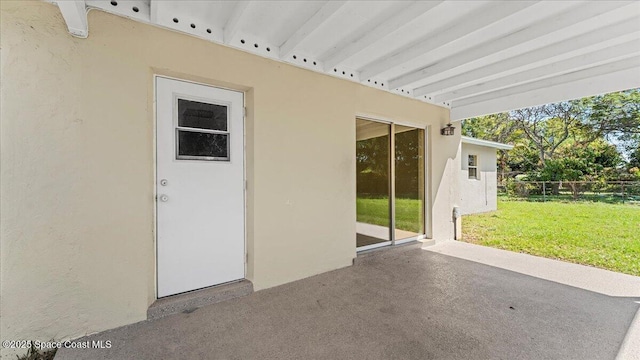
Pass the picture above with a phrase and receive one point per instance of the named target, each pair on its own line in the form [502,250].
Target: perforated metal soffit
[476,57]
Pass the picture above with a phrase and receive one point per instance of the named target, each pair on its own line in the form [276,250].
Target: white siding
[478,195]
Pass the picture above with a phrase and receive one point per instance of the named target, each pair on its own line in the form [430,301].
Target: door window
[202,131]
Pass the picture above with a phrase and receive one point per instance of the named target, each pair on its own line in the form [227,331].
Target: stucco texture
[77,175]
[478,195]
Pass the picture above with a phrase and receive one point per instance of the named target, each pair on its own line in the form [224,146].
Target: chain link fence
[622,192]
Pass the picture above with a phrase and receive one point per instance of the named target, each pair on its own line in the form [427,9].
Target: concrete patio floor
[402,303]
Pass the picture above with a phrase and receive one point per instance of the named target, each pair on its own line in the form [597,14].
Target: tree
[548,126]
[633,166]
[634,158]
[496,127]
[372,166]
[598,160]
[615,116]
[572,135]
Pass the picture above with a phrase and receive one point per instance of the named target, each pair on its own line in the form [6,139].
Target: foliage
[563,231]
[584,139]
[372,164]
[596,160]
[547,126]
[496,127]
[519,189]
[634,158]
[615,115]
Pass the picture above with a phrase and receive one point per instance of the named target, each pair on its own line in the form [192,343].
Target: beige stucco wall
[77,174]
[479,195]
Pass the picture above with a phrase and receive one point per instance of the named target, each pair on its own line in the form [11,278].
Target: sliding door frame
[392,184]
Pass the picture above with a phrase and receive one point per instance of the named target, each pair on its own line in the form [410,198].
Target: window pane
[409,181]
[199,115]
[205,145]
[473,173]
[472,160]
[372,181]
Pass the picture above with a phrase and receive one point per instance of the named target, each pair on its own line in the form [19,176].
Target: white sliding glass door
[390,192]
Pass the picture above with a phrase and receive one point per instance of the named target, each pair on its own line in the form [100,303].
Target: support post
[74,13]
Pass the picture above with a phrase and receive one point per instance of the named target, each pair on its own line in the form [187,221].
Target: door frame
[155,173]
[426,205]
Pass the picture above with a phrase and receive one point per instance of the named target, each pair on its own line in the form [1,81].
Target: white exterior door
[200,186]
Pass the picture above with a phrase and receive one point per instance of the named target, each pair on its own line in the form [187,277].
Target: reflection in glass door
[372,183]
[409,182]
[390,185]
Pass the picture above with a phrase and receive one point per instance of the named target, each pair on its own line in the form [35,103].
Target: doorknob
[164,198]
[164,182]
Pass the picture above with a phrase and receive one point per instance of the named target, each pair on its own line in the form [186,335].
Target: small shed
[478,175]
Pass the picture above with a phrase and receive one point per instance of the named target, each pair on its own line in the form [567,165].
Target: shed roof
[486,143]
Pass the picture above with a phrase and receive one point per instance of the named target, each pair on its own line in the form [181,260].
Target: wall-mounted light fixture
[447,130]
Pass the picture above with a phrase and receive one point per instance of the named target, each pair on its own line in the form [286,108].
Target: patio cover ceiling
[476,57]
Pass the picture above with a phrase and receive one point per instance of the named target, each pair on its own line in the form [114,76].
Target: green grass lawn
[376,211]
[597,234]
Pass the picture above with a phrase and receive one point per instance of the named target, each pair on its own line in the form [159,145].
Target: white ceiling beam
[124,8]
[622,80]
[153,11]
[569,17]
[74,13]
[444,35]
[375,32]
[632,62]
[235,21]
[574,44]
[312,24]
[617,76]
[610,54]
